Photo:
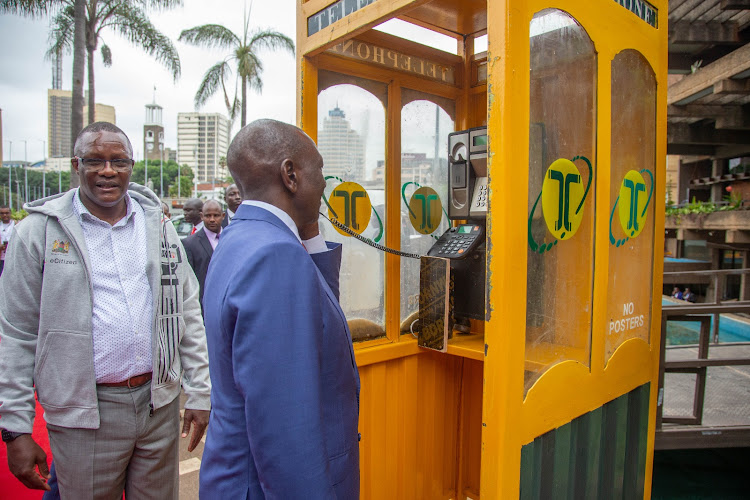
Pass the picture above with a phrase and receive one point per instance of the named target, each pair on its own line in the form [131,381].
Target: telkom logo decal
[563,196]
[633,205]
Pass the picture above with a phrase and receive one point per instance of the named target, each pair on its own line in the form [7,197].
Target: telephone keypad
[458,242]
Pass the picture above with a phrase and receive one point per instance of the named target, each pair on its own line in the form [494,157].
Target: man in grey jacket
[103,320]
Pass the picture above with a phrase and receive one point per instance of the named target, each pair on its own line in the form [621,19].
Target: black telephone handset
[458,242]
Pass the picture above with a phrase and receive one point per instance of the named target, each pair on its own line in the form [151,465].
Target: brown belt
[132,382]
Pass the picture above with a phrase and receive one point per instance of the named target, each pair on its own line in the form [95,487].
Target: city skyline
[129,84]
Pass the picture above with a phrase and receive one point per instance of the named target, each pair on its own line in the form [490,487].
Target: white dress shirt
[122,299]
[213,238]
[197,227]
[229,215]
[316,244]
[6,230]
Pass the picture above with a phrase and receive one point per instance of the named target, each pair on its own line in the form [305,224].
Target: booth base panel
[601,454]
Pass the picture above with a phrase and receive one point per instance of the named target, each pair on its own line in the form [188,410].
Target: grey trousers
[130,450]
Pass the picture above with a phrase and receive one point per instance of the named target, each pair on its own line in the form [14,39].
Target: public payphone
[465,244]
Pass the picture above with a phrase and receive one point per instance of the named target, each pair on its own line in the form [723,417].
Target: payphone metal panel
[467,183]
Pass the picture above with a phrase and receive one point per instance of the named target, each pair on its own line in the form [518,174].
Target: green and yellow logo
[634,198]
[564,192]
[350,204]
[425,208]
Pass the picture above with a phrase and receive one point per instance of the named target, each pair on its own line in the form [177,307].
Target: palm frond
[62,28]
[209,36]
[28,8]
[212,80]
[131,22]
[161,4]
[106,55]
[247,62]
[270,39]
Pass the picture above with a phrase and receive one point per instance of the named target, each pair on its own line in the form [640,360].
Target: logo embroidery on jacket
[60,246]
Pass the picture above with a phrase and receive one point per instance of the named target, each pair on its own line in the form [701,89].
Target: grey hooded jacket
[46,309]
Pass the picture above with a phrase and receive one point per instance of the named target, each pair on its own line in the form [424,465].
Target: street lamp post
[25,174]
[44,168]
[161,170]
[10,181]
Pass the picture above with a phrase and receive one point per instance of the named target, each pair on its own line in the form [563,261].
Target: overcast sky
[128,84]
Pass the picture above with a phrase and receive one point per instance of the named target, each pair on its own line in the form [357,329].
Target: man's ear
[74,164]
[289,175]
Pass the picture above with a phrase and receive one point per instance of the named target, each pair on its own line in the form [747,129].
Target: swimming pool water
[688,332]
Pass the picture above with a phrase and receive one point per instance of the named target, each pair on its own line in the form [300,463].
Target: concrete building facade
[202,140]
[59,103]
[342,148]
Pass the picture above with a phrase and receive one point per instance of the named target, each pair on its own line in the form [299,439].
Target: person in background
[165,211]
[193,210]
[677,293]
[200,246]
[688,295]
[285,397]
[233,199]
[98,290]
[6,231]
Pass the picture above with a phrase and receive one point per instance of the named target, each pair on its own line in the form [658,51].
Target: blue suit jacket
[285,386]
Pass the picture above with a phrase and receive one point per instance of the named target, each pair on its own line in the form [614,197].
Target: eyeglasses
[98,164]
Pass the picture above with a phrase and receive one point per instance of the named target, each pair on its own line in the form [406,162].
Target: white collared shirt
[122,299]
[6,231]
[213,238]
[197,227]
[316,244]
[229,215]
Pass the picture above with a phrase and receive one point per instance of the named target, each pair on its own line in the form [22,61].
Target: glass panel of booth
[561,194]
[631,214]
[351,140]
[426,122]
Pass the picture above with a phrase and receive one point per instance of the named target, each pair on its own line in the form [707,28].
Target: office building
[342,148]
[59,104]
[202,142]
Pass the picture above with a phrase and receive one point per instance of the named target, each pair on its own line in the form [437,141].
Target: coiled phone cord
[368,241]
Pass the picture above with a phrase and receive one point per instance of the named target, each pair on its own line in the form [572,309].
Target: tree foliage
[244,56]
[52,183]
[170,169]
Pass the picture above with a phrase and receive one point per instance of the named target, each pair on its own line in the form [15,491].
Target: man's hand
[24,455]
[199,419]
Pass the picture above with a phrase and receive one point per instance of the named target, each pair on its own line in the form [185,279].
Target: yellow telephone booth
[549,117]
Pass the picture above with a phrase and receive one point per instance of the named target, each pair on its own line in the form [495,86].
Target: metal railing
[701,313]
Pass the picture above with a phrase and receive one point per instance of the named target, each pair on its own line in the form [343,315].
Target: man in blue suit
[285,396]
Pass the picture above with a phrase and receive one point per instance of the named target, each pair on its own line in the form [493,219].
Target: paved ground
[190,463]
[727,397]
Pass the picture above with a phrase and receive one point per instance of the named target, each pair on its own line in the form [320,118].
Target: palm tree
[244,54]
[129,19]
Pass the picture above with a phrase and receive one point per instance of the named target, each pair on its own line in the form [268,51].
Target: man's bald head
[258,149]
[278,163]
[193,210]
[212,204]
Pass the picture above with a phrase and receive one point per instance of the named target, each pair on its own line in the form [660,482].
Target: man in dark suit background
[285,385]
[233,199]
[199,247]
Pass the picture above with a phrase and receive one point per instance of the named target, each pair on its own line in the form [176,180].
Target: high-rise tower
[342,148]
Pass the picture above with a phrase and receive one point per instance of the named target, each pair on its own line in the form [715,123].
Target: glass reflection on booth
[351,140]
[425,126]
[562,160]
[631,221]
